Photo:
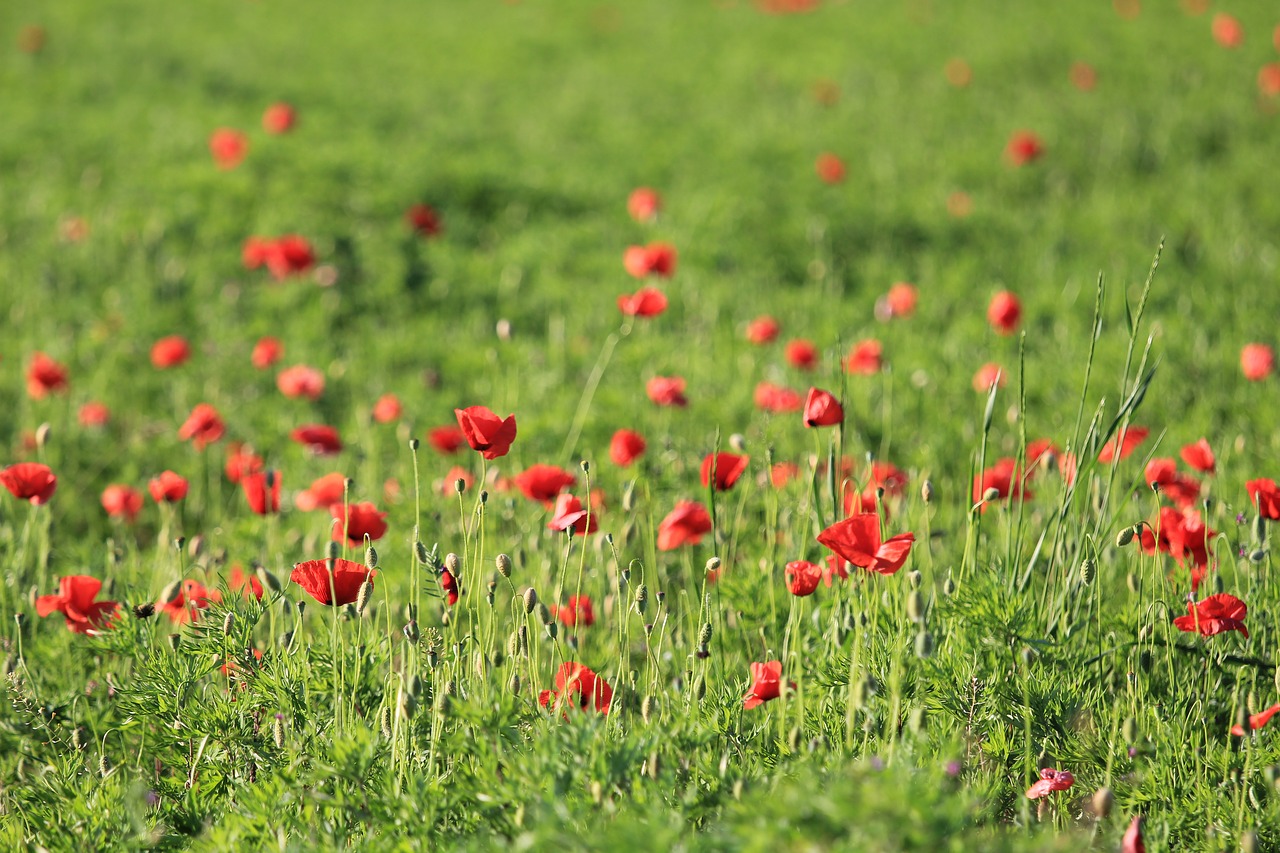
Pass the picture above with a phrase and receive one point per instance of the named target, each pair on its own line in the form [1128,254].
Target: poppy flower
[569,513]
[1227,31]
[763,330]
[262,491]
[1083,77]
[202,427]
[645,302]
[725,468]
[1024,147]
[989,374]
[1269,79]
[766,684]
[244,583]
[121,501]
[1182,534]
[803,577]
[301,381]
[801,354]
[900,301]
[447,439]
[320,439]
[777,399]
[882,475]
[543,482]
[1256,360]
[1006,478]
[1179,488]
[359,520]
[577,686]
[340,586]
[684,525]
[830,168]
[327,490]
[1132,841]
[782,473]
[626,447]
[667,391]
[487,434]
[449,585]
[1126,442]
[1199,456]
[857,539]
[1257,721]
[424,220]
[643,204]
[191,597]
[1050,780]
[1004,312]
[266,352]
[168,487]
[449,485]
[279,118]
[170,352]
[1214,615]
[241,461]
[865,358]
[821,409]
[75,601]
[1265,496]
[45,376]
[388,409]
[94,414]
[228,147]
[1041,449]
[30,481]
[577,612]
[288,255]
[654,259]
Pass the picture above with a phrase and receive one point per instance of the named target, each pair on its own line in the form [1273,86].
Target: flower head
[684,525]
[822,409]
[75,601]
[724,469]
[1004,312]
[168,487]
[626,447]
[766,684]
[645,302]
[45,376]
[803,577]
[170,352]
[569,512]
[279,118]
[319,439]
[228,147]
[1050,780]
[488,434]
[857,540]
[262,491]
[202,427]
[578,687]
[30,481]
[357,520]
[339,586]
[1214,615]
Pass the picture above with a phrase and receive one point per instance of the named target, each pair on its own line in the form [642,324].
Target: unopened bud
[228,623]
[713,564]
[362,598]
[503,562]
[411,632]
[642,598]
[43,433]
[738,442]
[990,494]
[277,730]
[926,491]
[704,636]
[170,593]
[268,580]
[1103,800]
[453,564]
[371,558]
[915,606]
[1129,730]
[530,600]
[1124,537]
[924,645]
[948,587]
[1088,571]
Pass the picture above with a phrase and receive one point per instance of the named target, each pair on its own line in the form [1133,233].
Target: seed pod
[1088,571]
[530,600]
[1124,537]
[277,730]
[924,645]
[642,598]
[362,597]
[1103,800]
[503,562]
[915,606]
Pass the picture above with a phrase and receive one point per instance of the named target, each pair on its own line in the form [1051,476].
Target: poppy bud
[1134,583]
[1249,842]
[926,492]
[415,686]
[915,606]
[1144,660]
[704,636]
[1260,529]
[585,466]
[411,632]
[228,623]
[459,485]
[363,596]
[408,705]
[738,442]
[195,547]
[513,645]
[1124,537]
[1129,730]
[552,629]
[1217,583]
[371,557]
[175,640]
[1103,799]
[453,564]
[277,730]
[629,497]
[267,579]
[646,708]
[642,598]
[523,633]
[990,494]
[43,433]
[1144,633]
[661,597]
[384,721]
[648,629]
[414,444]
[514,683]
[170,593]
[914,577]
[713,564]
[1242,718]
[948,587]
[530,600]
[180,543]
[924,645]
[433,657]
[544,614]
[503,562]
[484,497]
[1257,556]
[410,612]
[1088,571]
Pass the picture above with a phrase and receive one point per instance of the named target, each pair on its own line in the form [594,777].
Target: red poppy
[763,330]
[1179,488]
[801,353]
[449,585]
[1256,360]
[488,434]
[766,684]
[75,601]
[1227,31]
[266,352]
[857,539]
[339,586]
[577,612]
[1083,77]
[643,204]
[1182,534]
[279,118]
[241,461]
[202,427]
[777,399]
[1004,312]
[803,577]
[121,501]
[30,481]
[1265,496]
[359,520]
[654,259]
[1126,442]
[782,473]
[543,482]
[1257,721]
[1199,456]
[388,409]
[1041,449]
[327,490]
[900,301]
[45,376]
[1216,614]
[1050,780]
[726,468]
[882,475]
[168,487]
[447,439]
[1006,478]
[1132,841]
[320,439]
[989,374]
[449,487]
[1024,147]
[228,147]
[284,256]
[192,597]
[667,391]
[684,525]
[262,491]
[569,513]
[821,409]
[301,381]
[94,414]
[424,220]
[170,352]
[244,583]
[830,168]
[577,686]
[958,72]
[865,359]
[626,447]
[1269,79]
[645,302]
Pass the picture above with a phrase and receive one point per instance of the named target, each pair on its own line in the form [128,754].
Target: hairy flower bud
[503,562]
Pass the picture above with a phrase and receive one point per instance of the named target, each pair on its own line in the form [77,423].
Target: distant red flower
[786,7]
[488,434]
[766,684]
[359,520]
[121,501]
[75,601]
[1041,449]
[645,302]
[1216,614]
[388,409]
[320,439]
[202,427]
[865,358]
[777,399]
[1004,312]
[192,597]
[262,491]
[1265,496]
[446,439]
[266,352]
[30,481]
[448,486]
[626,447]
[94,414]
[244,583]
[900,301]
[1182,534]
[1024,147]
[577,686]
[449,585]
[667,391]
[726,468]
[654,259]
[289,255]
[684,525]
[301,381]
[1050,780]
[1126,442]
[1179,488]
[241,461]
[1256,360]
[1132,841]
[424,220]
[782,473]
[882,475]
[1269,79]
[643,204]
[1083,77]
[327,490]
[803,577]
[763,330]
[168,487]
[1006,478]
[170,352]
[340,586]
[857,539]
[830,168]
[1227,31]
[989,374]
[228,147]
[958,72]
[802,354]
[279,118]
[577,612]
[570,513]
[1257,721]
[45,376]
[543,482]
[1199,456]
[822,409]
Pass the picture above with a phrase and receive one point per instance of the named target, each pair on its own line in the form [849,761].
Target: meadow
[698,425]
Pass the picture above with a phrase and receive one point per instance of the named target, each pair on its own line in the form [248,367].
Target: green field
[1015,635]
